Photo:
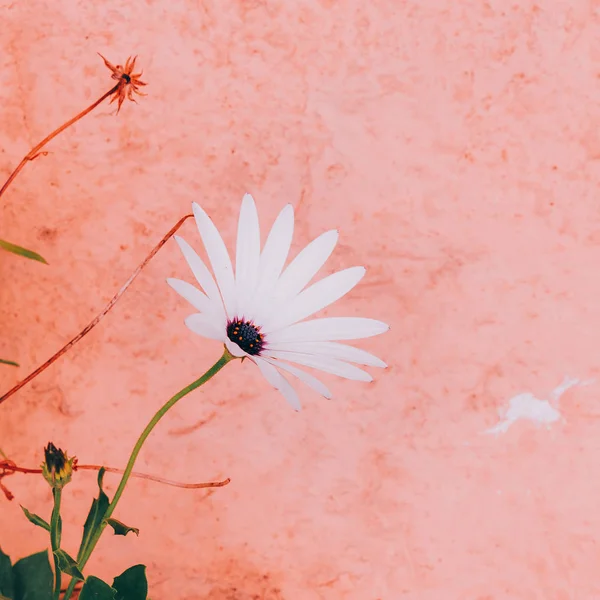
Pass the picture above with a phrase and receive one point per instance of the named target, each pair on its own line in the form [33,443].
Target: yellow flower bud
[57,468]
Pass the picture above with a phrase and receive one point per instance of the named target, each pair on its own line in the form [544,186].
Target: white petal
[201,273]
[317,296]
[305,266]
[193,295]
[219,258]
[205,326]
[272,259]
[322,363]
[247,254]
[329,328]
[332,349]
[306,378]
[277,246]
[279,382]
[234,348]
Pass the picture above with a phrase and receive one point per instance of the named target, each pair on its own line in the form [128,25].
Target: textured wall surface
[456,146]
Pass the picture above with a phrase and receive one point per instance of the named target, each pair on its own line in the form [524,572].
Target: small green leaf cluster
[31,579]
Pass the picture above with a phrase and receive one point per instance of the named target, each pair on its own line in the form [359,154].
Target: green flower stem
[227,357]
[55,533]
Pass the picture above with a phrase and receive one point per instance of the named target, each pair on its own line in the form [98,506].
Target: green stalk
[227,357]
[55,533]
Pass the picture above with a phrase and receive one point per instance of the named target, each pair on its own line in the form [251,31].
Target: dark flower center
[246,335]
[55,458]
[126,78]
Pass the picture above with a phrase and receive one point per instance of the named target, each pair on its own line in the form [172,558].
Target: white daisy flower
[258,312]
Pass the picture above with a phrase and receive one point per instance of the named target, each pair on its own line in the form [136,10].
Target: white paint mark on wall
[526,407]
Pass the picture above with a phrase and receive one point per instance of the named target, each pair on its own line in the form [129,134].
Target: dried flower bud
[129,82]
[57,468]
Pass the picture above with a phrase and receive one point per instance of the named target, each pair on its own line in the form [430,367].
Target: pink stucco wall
[456,146]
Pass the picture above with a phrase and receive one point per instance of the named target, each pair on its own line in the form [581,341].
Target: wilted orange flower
[128,81]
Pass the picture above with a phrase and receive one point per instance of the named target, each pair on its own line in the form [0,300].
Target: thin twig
[36,150]
[9,467]
[9,495]
[99,317]
[127,84]
[187,486]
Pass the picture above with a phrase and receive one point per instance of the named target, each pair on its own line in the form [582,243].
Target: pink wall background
[456,146]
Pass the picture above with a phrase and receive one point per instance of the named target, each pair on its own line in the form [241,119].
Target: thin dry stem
[187,486]
[128,84]
[9,467]
[36,150]
[99,317]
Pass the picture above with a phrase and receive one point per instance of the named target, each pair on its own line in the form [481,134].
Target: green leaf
[7,583]
[95,516]
[132,584]
[22,251]
[36,520]
[121,528]
[33,578]
[12,363]
[96,589]
[68,565]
